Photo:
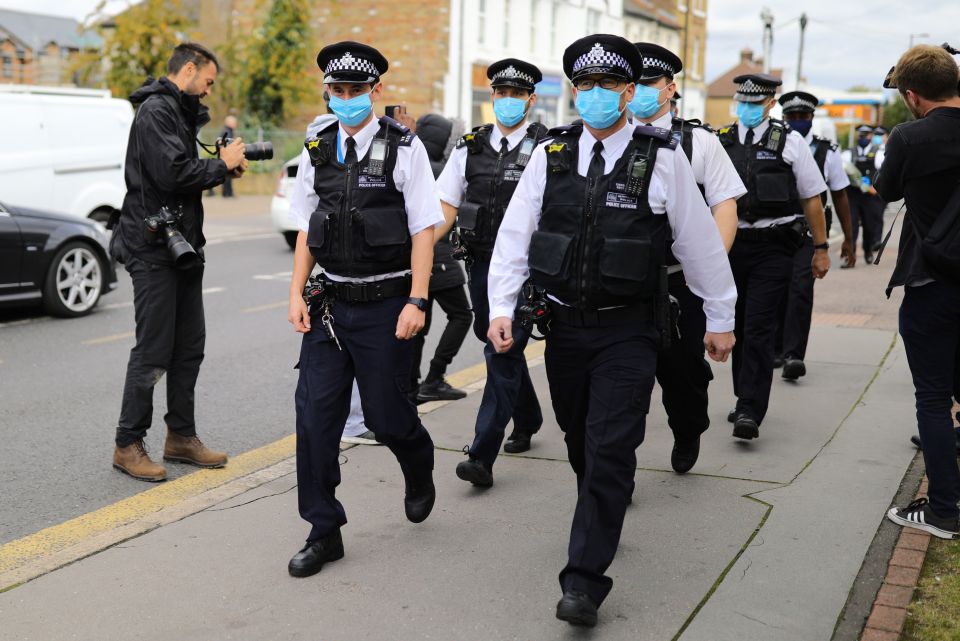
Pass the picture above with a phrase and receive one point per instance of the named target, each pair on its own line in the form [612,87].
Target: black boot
[420,496]
[474,471]
[314,554]
[684,455]
[576,608]
[518,441]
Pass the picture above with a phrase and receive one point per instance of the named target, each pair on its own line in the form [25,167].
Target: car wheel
[74,281]
[291,238]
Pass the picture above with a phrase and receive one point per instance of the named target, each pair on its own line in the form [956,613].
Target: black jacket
[168,170]
[438,135]
[921,164]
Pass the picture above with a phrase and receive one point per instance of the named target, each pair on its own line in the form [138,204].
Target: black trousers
[508,392]
[796,311]
[168,308]
[761,270]
[930,327]
[453,301]
[381,364]
[682,371]
[866,211]
[600,379]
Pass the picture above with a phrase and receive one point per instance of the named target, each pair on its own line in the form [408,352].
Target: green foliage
[895,113]
[137,43]
[276,73]
[934,614]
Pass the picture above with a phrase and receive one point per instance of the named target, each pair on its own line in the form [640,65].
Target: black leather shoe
[745,427]
[868,258]
[439,390]
[793,369]
[778,362]
[314,554]
[916,441]
[475,472]
[520,442]
[732,416]
[684,455]
[420,497]
[576,608]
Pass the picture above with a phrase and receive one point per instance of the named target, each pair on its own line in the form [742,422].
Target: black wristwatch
[419,303]
[824,246]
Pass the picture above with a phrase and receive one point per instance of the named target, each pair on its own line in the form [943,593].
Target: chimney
[746,55]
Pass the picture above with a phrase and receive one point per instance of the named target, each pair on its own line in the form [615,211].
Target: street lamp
[917,35]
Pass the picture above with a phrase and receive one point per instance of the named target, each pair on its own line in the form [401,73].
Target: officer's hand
[242,167]
[410,322]
[232,154]
[501,334]
[719,346]
[299,315]
[848,252]
[821,263]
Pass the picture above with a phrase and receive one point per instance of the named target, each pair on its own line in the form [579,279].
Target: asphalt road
[61,381]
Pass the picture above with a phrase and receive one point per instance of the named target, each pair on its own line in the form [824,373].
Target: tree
[895,113]
[137,43]
[277,78]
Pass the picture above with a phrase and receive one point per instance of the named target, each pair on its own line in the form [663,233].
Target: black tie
[749,139]
[503,147]
[596,163]
[351,157]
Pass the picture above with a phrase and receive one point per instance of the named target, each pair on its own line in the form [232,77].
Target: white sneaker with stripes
[918,515]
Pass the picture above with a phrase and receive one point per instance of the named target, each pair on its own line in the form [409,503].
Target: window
[481,21]
[7,67]
[506,24]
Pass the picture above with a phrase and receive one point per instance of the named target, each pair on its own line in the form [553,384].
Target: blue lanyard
[339,148]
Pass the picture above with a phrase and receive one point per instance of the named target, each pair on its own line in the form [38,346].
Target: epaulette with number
[833,146]
[406,136]
[664,135]
[562,130]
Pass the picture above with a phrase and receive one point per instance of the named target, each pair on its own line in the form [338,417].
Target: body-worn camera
[161,229]
[251,150]
[535,311]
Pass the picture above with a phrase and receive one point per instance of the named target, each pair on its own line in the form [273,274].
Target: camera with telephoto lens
[162,229]
[251,150]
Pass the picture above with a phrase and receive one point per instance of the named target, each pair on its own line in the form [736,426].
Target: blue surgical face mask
[646,101]
[802,127]
[863,141]
[750,113]
[353,111]
[877,139]
[509,111]
[599,107]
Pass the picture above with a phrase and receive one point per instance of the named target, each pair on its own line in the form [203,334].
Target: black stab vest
[360,225]
[599,244]
[491,181]
[865,160]
[771,185]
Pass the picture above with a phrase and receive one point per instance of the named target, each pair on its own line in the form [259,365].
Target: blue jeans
[930,327]
[509,391]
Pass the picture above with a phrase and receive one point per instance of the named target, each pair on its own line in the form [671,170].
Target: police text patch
[616,200]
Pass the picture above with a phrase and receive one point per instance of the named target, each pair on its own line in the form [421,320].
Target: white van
[63,150]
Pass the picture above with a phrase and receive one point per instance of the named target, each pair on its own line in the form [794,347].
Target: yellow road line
[32,547]
[263,308]
[58,537]
[109,339]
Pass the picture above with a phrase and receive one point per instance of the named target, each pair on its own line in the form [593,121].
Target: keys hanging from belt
[327,320]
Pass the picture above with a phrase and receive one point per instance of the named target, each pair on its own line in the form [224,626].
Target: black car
[58,261]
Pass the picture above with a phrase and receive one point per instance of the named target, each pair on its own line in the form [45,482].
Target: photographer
[158,236]
[922,166]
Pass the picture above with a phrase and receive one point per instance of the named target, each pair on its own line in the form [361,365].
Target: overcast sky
[847,43]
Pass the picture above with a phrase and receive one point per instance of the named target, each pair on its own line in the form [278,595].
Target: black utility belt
[369,292]
[576,317]
[790,232]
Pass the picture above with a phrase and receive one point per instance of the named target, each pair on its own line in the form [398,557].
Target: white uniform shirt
[412,175]
[863,151]
[796,153]
[711,165]
[452,183]
[833,171]
[672,191]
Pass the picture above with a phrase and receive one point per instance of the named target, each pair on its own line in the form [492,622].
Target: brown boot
[134,460]
[190,449]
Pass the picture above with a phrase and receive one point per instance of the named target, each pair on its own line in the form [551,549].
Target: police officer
[866,207]
[366,207]
[783,185]
[796,311]
[475,187]
[588,218]
[682,372]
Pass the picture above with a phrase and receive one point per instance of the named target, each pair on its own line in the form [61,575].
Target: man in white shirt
[589,223]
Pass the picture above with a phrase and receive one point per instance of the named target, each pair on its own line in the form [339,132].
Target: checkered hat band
[602,58]
[347,62]
[656,63]
[798,103]
[512,74]
[751,87]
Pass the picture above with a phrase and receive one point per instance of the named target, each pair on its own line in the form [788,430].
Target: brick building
[721,108]
[37,49]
